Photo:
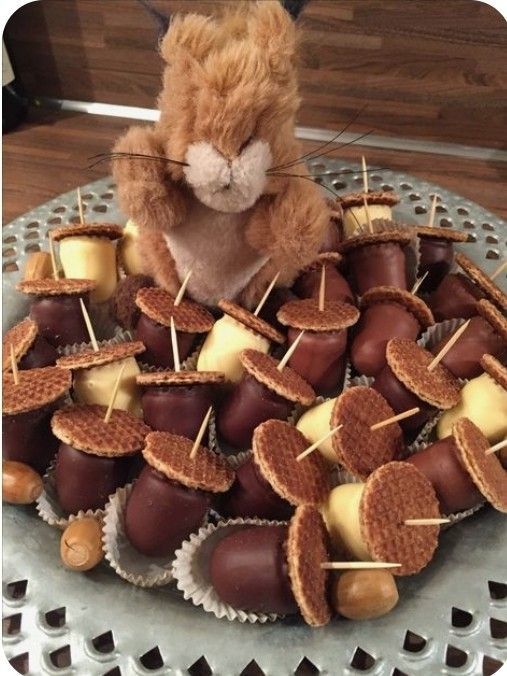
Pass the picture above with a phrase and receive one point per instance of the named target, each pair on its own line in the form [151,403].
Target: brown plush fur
[225,80]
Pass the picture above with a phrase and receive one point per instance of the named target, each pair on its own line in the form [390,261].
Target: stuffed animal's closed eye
[222,207]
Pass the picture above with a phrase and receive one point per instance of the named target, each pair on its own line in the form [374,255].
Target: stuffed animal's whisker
[342,145]
[103,157]
[324,145]
[333,174]
[282,174]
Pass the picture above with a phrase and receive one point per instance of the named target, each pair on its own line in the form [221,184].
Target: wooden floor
[48,154]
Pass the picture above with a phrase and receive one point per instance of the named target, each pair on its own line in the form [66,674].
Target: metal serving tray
[451,618]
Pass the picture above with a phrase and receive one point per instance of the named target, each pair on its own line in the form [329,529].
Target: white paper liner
[239,459]
[190,570]
[126,561]
[120,336]
[434,334]
[49,509]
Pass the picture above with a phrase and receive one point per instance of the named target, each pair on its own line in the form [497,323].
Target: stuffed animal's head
[229,101]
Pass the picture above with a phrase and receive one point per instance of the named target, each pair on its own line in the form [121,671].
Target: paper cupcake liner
[49,509]
[239,459]
[191,572]
[415,247]
[104,325]
[127,562]
[120,336]
[434,334]
[190,363]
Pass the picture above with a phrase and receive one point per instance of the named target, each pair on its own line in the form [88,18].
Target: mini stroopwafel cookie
[104,355]
[355,199]
[392,494]
[170,454]
[276,445]
[359,449]
[251,321]
[391,294]
[181,378]
[56,287]
[83,427]
[158,305]
[397,236]
[107,230]
[409,363]
[307,548]
[486,470]
[21,337]
[447,234]
[491,290]
[305,314]
[493,316]
[495,369]
[286,383]
[36,388]
[324,258]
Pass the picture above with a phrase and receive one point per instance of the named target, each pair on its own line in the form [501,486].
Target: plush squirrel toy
[220,204]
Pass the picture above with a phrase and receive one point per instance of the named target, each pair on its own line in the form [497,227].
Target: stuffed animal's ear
[193,34]
[274,32]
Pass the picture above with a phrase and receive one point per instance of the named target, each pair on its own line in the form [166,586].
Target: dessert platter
[185,531]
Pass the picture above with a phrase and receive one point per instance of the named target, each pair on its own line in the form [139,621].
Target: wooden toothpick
[89,326]
[433,210]
[315,445]
[497,447]
[114,393]
[499,270]
[14,365]
[367,210]
[290,352]
[174,343]
[418,282]
[53,257]
[365,174]
[183,288]
[395,418]
[357,565]
[200,433]
[454,338]
[80,206]
[425,522]
[266,294]
[322,289]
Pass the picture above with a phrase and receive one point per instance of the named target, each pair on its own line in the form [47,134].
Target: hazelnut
[21,484]
[364,594]
[81,544]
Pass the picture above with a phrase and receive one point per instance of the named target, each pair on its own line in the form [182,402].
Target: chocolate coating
[401,399]
[378,324]
[179,409]
[41,354]
[60,320]
[157,339]
[442,466]
[85,481]
[435,257]
[337,287]
[27,438]
[478,339]
[319,358]
[123,301]
[160,513]
[455,297]
[248,569]
[274,302]
[377,265]
[247,405]
[252,496]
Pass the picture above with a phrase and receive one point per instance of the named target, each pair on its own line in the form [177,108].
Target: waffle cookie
[407,300]
[181,378]
[83,428]
[486,470]
[487,286]
[36,388]
[324,258]
[398,236]
[21,337]
[409,363]
[493,316]
[276,445]
[170,454]
[359,449]
[56,287]
[251,321]
[307,548]
[107,230]
[158,305]
[104,355]
[286,383]
[355,199]
[495,369]
[123,301]
[447,234]
[393,493]
[305,314]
